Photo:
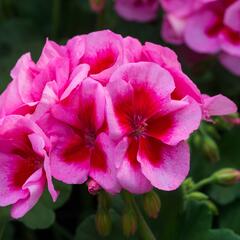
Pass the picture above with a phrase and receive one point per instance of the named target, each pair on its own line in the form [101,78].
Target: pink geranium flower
[81,146]
[137,10]
[150,127]
[206,27]
[24,164]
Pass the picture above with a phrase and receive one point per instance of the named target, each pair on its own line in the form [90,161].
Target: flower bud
[129,222]
[210,148]
[103,222]
[187,185]
[104,200]
[151,204]
[197,140]
[212,207]
[97,5]
[227,176]
[93,187]
[198,196]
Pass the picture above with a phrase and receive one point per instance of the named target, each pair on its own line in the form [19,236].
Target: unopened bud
[93,187]
[129,222]
[227,176]
[197,140]
[104,200]
[198,196]
[151,204]
[210,148]
[212,207]
[97,5]
[103,223]
[187,184]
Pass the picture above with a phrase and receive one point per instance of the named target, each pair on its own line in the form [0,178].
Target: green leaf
[197,223]
[222,234]
[40,217]
[230,216]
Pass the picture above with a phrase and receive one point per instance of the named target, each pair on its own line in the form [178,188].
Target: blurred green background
[24,27]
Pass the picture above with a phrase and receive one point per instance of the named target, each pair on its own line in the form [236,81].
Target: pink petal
[78,75]
[218,105]
[118,105]
[164,166]
[35,186]
[103,53]
[84,108]
[231,16]
[183,118]
[172,29]
[76,48]
[50,51]
[103,170]
[69,158]
[184,86]
[230,62]
[129,173]
[196,33]
[132,49]
[9,194]
[164,56]
[147,75]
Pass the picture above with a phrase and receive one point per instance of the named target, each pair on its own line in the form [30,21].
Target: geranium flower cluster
[103,108]
[205,26]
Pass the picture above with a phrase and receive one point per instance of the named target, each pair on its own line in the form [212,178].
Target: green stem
[144,230]
[202,183]
[56,8]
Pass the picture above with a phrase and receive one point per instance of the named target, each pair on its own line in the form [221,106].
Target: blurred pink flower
[24,164]
[137,10]
[206,27]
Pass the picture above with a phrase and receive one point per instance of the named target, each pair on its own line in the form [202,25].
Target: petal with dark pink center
[176,125]
[84,108]
[70,157]
[164,166]
[103,169]
[11,179]
[119,107]
[129,173]
[103,53]
[35,187]
[146,75]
